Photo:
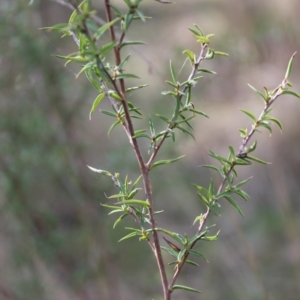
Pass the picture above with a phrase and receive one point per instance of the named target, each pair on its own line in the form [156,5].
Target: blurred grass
[56,240]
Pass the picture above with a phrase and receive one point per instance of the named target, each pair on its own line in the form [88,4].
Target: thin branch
[191,76]
[276,93]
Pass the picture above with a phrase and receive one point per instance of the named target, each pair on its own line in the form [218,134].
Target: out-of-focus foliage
[52,242]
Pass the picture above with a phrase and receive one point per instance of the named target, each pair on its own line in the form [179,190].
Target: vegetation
[56,241]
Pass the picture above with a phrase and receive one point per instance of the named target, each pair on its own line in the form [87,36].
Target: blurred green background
[56,241]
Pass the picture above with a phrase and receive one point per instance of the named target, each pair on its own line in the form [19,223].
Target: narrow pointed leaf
[134,201]
[276,121]
[104,27]
[258,160]
[128,236]
[100,171]
[198,112]
[112,207]
[135,88]
[206,71]
[286,92]
[166,161]
[196,253]
[119,220]
[96,103]
[190,262]
[173,72]
[127,43]
[190,55]
[112,127]
[290,66]
[219,170]
[185,131]
[257,91]
[249,114]
[243,182]
[186,288]
[233,203]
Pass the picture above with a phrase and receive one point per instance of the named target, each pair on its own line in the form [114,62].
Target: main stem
[143,167]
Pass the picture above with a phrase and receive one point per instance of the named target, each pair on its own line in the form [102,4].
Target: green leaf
[233,203]
[136,182]
[196,253]
[191,55]
[204,200]
[85,68]
[112,127]
[110,113]
[257,91]
[219,170]
[199,29]
[106,48]
[118,12]
[242,162]
[195,32]
[101,30]
[258,160]
[100,171]
[119,208]
[96,103]
[174,235]
[119,220]
[202,39]
[206,71]
[249,114]
[243,132]
[62,27]
[290,66]
[184,287]
[243,182]
[165,162]
[173,73]
[241,193]
[199,112]
[126,75]
[221,53]
[211,238]
[75,12]
[95,83]
[201,189]
[232,152]
[128,236]
[133,193]
[219,158]
[190,262]
[210,54]
[136,88]
[134,201]
[185,131]
[267,117]
[252,147]
[77,58]
[127,43]
[141,15]
[286,92]
[266,125]
[164,118]
[141,134]
[170,251]
[152,130]
[115,95]
[124,62]
[122,195]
